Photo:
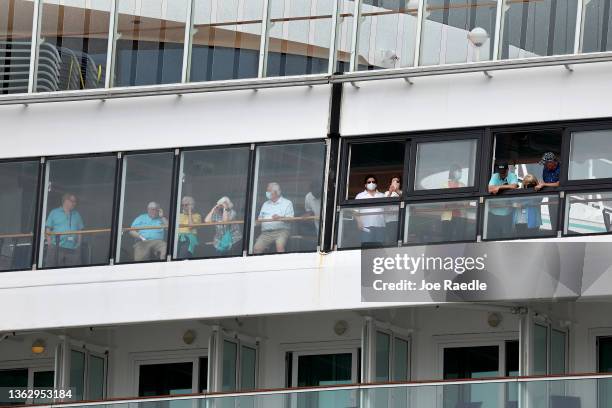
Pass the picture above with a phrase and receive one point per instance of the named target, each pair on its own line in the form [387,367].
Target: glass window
[72,52]
[43,380]
[458,31]
[540,350]
[226,39]
[247,368]
[95,378]
[383,351]
[590,155]
[387,34]
[557,352]
[521,217]
[443,165]
[145,204]
[538,28]
[300,35]
[13,379]
[383,161]
[212,205]
[15,38]
[78,211]
[596,33]
[230,358]
[165,379]
[588,213]
[445,221]
[149,48]
[77,375]
[344,35]
[324,369]
[368,226]
[19,181]
[401,359]
[287,197]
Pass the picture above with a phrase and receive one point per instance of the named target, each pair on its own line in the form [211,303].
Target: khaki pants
[266,238]
[150,250]
[58,256]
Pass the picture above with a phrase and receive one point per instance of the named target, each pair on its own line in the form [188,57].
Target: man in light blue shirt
[150,241]
[499,222]
[64,249]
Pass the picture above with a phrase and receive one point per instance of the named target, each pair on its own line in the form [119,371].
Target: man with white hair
[273,228]
[150,242]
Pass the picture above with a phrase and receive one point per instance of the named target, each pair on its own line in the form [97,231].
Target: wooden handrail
[18,235]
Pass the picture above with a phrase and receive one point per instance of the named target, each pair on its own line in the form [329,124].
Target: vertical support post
[111,48]
[579,26]
[419,32]
[188,42]
[333,55]
[34,46]
[498,30]
[264,40]
[354,63]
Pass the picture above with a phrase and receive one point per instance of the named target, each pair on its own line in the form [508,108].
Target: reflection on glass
[387,34]
[383,350]
[226,39]
[74,36]
[596,21]
[230,355]
[365,227]
[77,375]
[521,217]
[590,155]
[344,36]
[557,352]
[441,222]
[210,219]
[149,48]
[401,355]
[95,378]
[15,37]
[247,368]
[588,213]
[383,161]
[458,31]
[145,204]
[443,165]
[540,350]
[19,183]
[300,33]
[538,28]
[287,197]
[79,206]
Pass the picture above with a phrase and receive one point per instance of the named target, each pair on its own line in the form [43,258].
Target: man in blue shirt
[499,222]
[150,241]
[63,248]
[550,172]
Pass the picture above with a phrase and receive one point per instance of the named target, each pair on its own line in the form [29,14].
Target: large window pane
[588,213]
[230,360]
[401,360]
[368,226]
[383,352]
[247,368]
[287,197]
[521,217]
[145,204]
[458,31]
[591,155]
[535,28]
[15,37]
[443,165]
[540,350]
[13,379]
[596,33]
[95,378]
[213,200]
[150,45]
[79,208]
[557,352]
[300,35]
[226,39]
[382,161]
[19,183]
[441,222]
[77,375]
[74,36]
[387,34]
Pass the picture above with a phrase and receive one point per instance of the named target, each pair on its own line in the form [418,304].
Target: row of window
[160,42]
[146,206]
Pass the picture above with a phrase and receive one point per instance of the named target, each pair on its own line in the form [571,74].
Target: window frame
[578,128]
[566,204]
[371,203]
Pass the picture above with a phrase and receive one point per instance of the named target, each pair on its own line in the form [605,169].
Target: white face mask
[268,195]
[371,186]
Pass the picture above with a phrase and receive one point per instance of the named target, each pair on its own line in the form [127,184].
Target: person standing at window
[391,220]
[150,240]
[312,202]
[187,234]
[371,227]
[551,171]
[64,249]
[273,229]
[500,217]
[226,233]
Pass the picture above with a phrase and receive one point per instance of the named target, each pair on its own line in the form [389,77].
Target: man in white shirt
[371,227]
[273,228]
[312,202]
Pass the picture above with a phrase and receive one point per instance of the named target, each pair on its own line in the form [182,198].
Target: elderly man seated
[150,243]
[274,232]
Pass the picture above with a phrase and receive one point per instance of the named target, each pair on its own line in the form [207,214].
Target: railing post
[419,33]
[498,30]
[188,42]
[333,55]
[579,26]
[110,48]
[354,63]
[36,16]
[264,40]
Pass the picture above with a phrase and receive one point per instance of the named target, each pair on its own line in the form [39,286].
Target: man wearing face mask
[371,227]
[273,230]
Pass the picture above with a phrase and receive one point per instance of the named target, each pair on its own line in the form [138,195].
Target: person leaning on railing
[150,241]
[273,230]
[64,249]
[226,233]
[500,218]
[527,216]
[187,235]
